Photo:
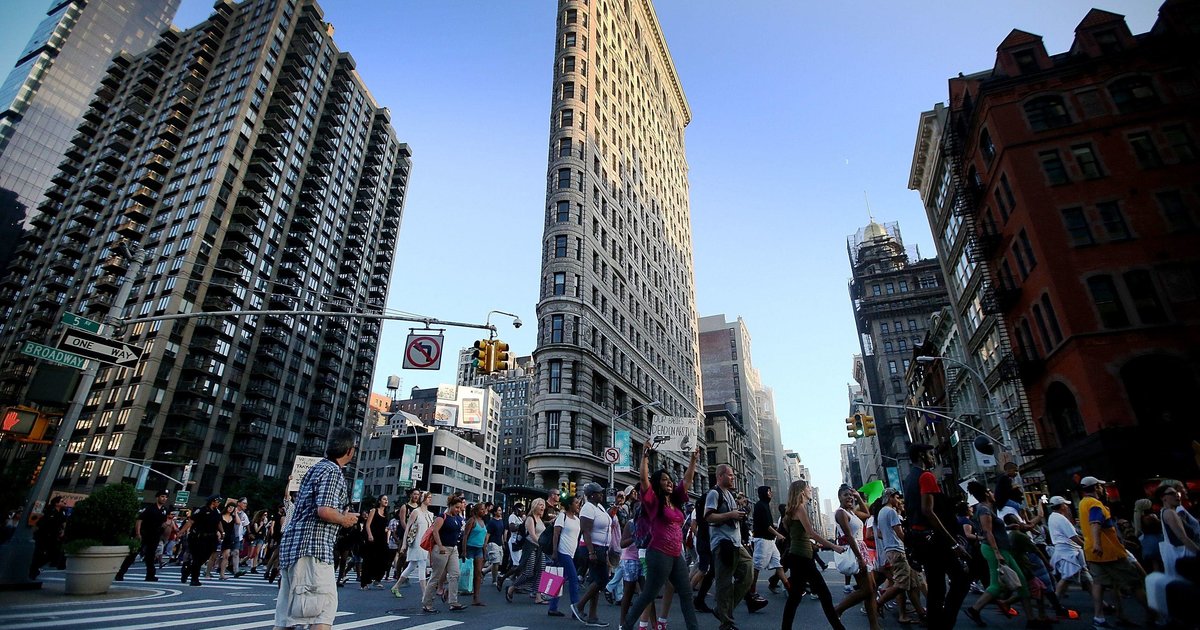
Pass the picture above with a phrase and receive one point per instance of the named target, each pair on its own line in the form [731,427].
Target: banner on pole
[673,433]
[623,442]
[407,458]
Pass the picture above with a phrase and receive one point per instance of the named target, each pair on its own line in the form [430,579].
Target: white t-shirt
[568,540]
[1061,531]
[601,523]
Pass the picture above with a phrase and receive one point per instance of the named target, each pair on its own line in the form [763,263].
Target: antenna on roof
[868,202]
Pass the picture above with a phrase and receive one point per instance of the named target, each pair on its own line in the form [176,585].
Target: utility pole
[17,555]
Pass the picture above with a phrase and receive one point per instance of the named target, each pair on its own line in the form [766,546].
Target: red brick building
[1078,174]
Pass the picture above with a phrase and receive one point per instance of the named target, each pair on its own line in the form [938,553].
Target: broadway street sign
[53,355]
[100,348]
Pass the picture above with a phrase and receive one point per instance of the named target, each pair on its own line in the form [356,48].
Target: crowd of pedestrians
[914,554]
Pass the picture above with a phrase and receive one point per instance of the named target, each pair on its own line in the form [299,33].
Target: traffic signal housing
[868,426]
[499,356]
[851,427]
[481,358]
[572,490]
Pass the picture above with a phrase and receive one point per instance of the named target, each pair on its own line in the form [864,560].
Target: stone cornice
[666,57]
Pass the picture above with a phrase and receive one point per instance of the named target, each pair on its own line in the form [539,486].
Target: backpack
[703,533]
[546,541]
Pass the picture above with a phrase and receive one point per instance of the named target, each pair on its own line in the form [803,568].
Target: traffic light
[868,426]
[499,356]
[572,489]
[855,426]
[851,427]
[481,357]
[562,491]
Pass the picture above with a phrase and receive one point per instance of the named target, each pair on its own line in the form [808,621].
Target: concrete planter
[91,571]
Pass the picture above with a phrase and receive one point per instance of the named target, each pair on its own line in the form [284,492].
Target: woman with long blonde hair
[419,520]
[532,560]
[799,558]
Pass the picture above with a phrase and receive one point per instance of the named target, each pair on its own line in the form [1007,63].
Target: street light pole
[16,556]
[612,439]
[1001,417]
[143,464]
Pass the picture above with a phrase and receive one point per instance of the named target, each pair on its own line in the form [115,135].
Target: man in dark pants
[148,529]
[204,528]
[932,544]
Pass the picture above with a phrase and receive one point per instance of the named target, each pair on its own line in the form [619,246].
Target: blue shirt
[306,534]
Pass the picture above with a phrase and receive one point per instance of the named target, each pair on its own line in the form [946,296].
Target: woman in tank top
[850,517]
[799,557]
[532,560]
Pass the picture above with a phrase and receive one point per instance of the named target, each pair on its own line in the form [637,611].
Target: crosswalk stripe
[363,623]
[57,613]
[201,620]
[511,628]
[73,622]
[258,624]
[435,625]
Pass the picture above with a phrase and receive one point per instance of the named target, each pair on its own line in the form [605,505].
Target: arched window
[1063,412]
[1047,112]
[1133,94]
[986,147]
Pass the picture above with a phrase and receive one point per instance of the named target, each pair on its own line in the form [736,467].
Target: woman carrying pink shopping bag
[551,582]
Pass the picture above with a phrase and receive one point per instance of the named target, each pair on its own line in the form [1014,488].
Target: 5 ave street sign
[82,323]
[53,355]
[100,348]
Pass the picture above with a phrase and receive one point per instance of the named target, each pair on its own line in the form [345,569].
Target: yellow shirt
[1091,510]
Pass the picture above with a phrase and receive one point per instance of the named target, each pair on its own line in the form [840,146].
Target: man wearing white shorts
[763,534]
[308,585]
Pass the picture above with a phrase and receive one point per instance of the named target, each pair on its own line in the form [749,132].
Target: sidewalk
[53,592]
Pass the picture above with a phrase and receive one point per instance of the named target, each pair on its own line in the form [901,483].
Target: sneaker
[1101,623]
[813,596]
[659,624]
[774,588]
[555,613]
[756,605]
[847,589]
[974,616]
[151,578]
[596,623]
[578,615]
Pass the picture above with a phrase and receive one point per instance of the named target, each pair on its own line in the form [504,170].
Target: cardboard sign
[299,469]
[671,433]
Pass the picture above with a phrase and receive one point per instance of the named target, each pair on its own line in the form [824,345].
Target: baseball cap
[592,488]
[890,492]
[162,493]
[1057,501]
[627,491]
[1089,481]
[215,497]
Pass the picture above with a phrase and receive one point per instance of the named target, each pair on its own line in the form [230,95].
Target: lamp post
[613,434]
[145,464]
[991,401]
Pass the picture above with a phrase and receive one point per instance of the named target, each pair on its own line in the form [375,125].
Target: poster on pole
[407,458]
[471,415]
[299,469]
[445,415]
[673,434]
[623,442]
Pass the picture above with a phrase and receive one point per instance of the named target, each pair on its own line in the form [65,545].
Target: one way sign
[100,348]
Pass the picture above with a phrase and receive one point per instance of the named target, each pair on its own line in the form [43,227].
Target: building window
[1144,150]
[887,347]
[1052,319]
[564,147]
[892,369]
[889,288]
[556,329]
[902,345]
[1040,321]
[553,418]
[1145,297]
[1047,112]
[1003,207]
[912,324]
[904,286]
[1008,193]
[1133,94]
[883,327]
[986,147]
[1053,167]
[1026,60]
[1085,157]
[1176,214]
[564,179]
[568,90]
[569,40]
[1077,226]
[555,386]
[560,247]
[1108,302]
[562,213]
[560,283]
[568,118]
[1180,143]
[1113,221]
[875,290]
[1108,41]
[568,64]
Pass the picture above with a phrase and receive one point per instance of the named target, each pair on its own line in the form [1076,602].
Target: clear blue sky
[798,109]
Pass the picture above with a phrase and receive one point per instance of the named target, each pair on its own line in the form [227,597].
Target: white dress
[856,535]
[415,552]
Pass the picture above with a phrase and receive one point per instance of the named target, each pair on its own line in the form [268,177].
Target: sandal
[457,607]
[508,594]
[429,611]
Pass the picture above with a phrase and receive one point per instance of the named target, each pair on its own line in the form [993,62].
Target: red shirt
[929,485]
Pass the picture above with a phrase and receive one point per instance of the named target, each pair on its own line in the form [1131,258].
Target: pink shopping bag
[552,582]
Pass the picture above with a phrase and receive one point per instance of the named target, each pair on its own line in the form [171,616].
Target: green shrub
[104,518]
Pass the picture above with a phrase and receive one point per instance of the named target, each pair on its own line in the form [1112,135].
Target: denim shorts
[474,552]
[632,570]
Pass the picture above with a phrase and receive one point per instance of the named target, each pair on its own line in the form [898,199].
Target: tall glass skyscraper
[49,88]
[617,324]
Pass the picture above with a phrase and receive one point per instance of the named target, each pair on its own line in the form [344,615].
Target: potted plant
[99,537]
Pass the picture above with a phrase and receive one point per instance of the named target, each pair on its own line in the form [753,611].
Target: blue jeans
[570,577]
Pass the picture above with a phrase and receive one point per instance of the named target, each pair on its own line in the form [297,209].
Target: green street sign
[53,355]
[82,323]
[181,497]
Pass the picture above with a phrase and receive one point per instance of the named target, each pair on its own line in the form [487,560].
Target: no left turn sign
[423,352]
[612,455]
